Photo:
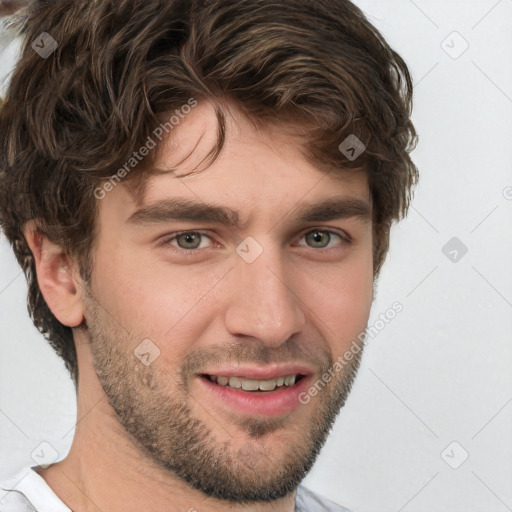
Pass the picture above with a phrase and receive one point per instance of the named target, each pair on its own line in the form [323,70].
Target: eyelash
[166,242]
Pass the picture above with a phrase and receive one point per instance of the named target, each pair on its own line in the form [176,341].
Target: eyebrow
[191,210]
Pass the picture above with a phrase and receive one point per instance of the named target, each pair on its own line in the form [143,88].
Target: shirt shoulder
[309,501]
[27,491]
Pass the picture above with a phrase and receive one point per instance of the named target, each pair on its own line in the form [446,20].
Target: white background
[440,372]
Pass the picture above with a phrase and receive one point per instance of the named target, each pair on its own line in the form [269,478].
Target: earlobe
[59,283]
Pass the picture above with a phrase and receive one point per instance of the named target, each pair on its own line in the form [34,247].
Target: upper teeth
[252,384]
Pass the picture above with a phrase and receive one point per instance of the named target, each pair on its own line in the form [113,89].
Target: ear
[57,277]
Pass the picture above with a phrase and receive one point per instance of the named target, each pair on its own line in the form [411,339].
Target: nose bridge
[263,304]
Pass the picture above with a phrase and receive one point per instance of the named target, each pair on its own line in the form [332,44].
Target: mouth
[269,397]
[255,385]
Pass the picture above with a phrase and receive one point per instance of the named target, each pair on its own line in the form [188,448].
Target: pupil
[189,238]
[317,236]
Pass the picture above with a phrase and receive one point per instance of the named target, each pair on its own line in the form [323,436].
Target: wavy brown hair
[72,119]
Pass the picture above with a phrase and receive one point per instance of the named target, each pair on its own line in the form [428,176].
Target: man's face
[287,300]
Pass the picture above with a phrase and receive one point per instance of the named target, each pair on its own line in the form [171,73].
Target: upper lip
[260,372]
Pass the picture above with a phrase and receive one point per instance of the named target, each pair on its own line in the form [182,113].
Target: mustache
[252,352]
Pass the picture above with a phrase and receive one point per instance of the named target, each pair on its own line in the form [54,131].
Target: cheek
[340,299]
[150,299]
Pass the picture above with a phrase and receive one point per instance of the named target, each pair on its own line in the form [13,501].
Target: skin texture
[148,436]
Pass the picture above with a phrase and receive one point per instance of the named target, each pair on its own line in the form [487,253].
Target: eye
[320,239]
[187,241]
[190,243]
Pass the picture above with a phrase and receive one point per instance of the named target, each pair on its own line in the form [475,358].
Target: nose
[263,303]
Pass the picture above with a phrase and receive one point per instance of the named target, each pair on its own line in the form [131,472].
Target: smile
[270,397]
[254,384]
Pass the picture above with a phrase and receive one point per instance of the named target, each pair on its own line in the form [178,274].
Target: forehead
[258,165]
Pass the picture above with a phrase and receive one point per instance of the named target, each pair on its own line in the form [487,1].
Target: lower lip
[269,403]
